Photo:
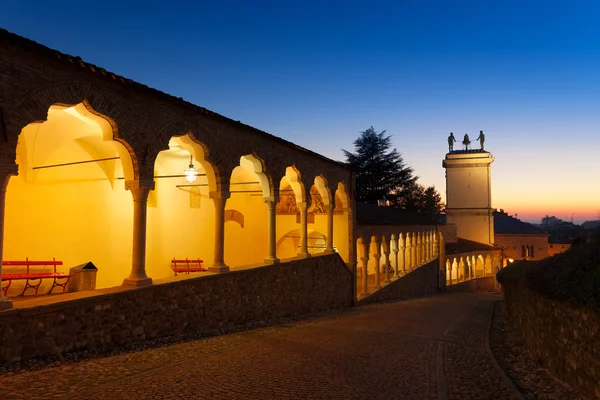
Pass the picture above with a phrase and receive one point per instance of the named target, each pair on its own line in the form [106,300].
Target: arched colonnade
[65,175]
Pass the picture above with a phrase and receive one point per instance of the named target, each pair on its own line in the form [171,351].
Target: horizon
[318,74]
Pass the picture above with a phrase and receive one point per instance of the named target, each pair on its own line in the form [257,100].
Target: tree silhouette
[380,172]
[382,175]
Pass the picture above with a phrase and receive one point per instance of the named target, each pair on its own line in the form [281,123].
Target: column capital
[219,195]
[302,206]
[329,207]
[139,189]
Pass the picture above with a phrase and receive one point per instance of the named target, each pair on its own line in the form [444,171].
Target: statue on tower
[451,141]
[481,139]
[466,142]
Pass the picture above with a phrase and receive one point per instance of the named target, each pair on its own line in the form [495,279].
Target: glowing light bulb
[190,173]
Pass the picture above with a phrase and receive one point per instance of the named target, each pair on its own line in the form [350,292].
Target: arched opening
[68,200]
[341,222]
[246,227]
[291,193]
[180,213]
[448,273]
[288,244]
[488,265]
[455,274]
[320,198]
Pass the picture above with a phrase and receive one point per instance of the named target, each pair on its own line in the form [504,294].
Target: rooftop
[466,246]
[75,62]
[505,224]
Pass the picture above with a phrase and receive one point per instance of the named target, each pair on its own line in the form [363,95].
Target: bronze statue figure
[481,139]
[466,142]
[451,141]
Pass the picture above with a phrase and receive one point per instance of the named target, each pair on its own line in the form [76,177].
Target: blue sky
[319,72]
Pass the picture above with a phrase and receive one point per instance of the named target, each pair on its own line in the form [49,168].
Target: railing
[383,258]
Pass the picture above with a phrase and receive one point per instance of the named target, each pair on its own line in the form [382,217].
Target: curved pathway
[430,348]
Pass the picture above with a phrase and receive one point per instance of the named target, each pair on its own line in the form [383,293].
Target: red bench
[187,266]
[33,280]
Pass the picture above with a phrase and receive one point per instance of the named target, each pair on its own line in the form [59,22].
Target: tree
[424,200]
[380,173]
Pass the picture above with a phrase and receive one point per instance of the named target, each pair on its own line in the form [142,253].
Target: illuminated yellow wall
[248,244]
[75,213]
[181,221]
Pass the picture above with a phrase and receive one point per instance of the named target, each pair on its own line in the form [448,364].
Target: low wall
[420,282]
[483,284]
[204,304]
[565,339]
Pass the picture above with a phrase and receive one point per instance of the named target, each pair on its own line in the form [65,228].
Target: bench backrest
[31,263]
[187,262]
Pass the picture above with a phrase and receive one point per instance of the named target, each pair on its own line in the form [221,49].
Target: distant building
[520,240]
[548,221]
[591,225]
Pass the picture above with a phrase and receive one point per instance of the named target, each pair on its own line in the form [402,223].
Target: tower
[468,194]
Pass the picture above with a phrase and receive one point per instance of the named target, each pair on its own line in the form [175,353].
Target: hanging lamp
[190,173]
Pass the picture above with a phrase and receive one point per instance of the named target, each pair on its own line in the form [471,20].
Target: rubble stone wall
[210,304]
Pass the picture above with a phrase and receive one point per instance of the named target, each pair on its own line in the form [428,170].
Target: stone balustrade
[467,266]
[386,257]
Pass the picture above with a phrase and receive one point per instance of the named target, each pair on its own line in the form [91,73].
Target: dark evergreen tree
[380,172]
[381,175]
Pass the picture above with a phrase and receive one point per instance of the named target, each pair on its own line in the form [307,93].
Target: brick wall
[204,304]
[420,282]
[563,338]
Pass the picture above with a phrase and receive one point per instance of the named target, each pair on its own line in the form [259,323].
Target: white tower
[468,194]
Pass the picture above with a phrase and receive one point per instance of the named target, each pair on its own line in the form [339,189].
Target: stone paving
[405,350]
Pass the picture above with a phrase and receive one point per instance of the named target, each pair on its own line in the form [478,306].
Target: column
[377,258]
[365,262]
[139,191]
[395,240]
[303,207]
[436,248]
[272,230]
[5,302]
[402,254]
[408,253]
[414,253]
[386,252]
[219,200]
[329,248]
[429,240]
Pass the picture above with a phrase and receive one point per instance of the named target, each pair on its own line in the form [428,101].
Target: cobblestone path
[430,348]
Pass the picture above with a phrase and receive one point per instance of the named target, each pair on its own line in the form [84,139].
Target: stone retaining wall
[483,284]
[205,304]
[563,338]
[420,282]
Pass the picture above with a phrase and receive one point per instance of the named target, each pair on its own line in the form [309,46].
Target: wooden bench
[33,280]
[187,266]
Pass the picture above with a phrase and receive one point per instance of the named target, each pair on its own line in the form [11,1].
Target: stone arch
[256,164]
[89,216]
[294,178]
[321,184]
[343,195]
[33,107]
[214,150]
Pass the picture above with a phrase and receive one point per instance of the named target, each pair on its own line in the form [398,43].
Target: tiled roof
[77,62]
[507,225]
[467,246]
[372,214]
